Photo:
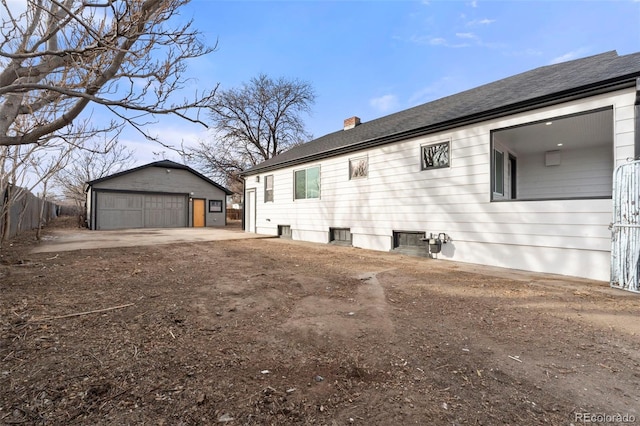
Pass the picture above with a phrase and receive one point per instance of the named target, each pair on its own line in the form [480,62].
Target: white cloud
[438,89]
[426,40]
[434,41]
[569,56]
[477,22]
[467,35]
[474,3]
[385,103]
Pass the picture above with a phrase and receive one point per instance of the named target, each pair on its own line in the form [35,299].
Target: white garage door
[120,210]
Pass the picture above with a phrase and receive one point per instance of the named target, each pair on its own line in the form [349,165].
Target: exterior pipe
[244,198]
[636,153]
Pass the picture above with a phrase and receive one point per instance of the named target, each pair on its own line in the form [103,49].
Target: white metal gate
[625,229]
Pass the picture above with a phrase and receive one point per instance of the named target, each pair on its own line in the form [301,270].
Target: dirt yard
[282,332]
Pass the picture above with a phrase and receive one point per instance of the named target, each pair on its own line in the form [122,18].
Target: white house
[516,173]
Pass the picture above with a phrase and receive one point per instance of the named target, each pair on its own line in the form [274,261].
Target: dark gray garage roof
[542,86]
[164,164]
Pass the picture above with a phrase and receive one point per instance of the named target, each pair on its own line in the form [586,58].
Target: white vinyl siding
[556,236]
[624,132]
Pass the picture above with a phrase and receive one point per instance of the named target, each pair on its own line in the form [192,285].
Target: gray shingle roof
[525,91]
[164,164]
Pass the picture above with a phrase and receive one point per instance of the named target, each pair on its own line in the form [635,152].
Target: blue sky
[373,58]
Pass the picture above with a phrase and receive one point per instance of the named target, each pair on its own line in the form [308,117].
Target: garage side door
[119,210]
[165,211]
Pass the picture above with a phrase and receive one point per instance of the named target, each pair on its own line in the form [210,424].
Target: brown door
[198,213]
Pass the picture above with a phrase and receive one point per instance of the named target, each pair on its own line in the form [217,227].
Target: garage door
[129,210]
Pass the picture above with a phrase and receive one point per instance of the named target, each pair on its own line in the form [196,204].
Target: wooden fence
[234,214]
[20,211]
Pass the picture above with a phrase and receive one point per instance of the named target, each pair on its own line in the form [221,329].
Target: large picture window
[307,183]
[268,188]
[435,156]
[564,157]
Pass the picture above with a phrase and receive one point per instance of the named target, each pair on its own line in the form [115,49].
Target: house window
[559,158]
[498,172]
[340,236]
[215,206]
[268,188]
[358,168]
[410,242]
[307,183]
[435,156]
[284,231]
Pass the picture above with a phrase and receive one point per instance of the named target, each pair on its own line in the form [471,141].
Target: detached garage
[163,194]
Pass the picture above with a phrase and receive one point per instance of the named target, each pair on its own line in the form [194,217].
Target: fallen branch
[77,314]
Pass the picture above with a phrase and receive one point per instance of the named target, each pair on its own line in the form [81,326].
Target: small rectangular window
[215,206]
[284,231]
[307,183]
[358,168]
[435,156]
[410,242]
[498,172]
[340,236]
[268,188]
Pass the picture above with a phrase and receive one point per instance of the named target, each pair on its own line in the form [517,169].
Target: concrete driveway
[77,239]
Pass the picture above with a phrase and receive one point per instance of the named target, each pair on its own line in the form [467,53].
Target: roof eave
[541,102]
[160,164]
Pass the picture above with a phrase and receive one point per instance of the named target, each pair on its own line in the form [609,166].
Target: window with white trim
[498,172]
[307,183]
[268,188]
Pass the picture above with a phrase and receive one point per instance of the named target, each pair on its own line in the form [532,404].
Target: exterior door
[198,213]
[250,211]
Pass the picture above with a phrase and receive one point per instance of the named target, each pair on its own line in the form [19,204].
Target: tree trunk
[41,215]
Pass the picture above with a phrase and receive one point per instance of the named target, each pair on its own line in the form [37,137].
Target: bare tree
[46,169]
[22,170]
[96,160]
[59,56]
[252,124]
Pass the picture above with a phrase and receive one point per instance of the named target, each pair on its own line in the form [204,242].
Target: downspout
[636,153]
[94,213]
[244,197]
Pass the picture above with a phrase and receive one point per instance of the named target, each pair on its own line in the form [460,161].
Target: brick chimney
[352,122]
